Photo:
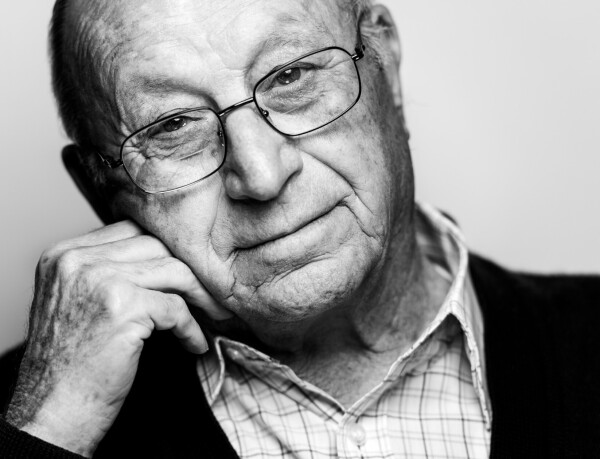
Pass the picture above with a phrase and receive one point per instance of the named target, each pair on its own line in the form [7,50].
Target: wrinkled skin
[355,173]
[306,244]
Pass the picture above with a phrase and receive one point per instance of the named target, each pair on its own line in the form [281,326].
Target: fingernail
[204,348]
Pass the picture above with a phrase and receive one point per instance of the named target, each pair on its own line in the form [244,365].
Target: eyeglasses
[295,98]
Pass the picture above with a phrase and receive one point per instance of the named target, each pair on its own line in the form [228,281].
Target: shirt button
[235,354]
[357,434]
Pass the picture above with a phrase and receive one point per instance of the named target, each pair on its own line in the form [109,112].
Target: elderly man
[251,161]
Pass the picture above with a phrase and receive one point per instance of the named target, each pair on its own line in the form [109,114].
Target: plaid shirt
[433,403]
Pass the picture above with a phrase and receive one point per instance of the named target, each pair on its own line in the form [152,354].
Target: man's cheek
[344,148]
[182,220]
[361,157]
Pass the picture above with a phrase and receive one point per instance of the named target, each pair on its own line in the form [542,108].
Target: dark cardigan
[542,347]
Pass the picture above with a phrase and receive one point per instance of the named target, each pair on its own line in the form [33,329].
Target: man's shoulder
[547,288]
[543,376]
[568,304]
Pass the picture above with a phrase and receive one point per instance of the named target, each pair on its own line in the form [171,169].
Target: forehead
[124,26]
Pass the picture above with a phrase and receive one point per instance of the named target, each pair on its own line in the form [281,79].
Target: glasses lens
[309,92]
[176,151]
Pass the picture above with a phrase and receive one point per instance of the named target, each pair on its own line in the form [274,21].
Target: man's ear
[389,39]
[79,169]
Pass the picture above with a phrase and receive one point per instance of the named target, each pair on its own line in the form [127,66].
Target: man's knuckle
[110,293]
[49,254]
[171,263]
[174,306]
[69,261]
[178,268]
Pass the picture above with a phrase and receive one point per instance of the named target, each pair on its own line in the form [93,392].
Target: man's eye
[174,124]
[289,76]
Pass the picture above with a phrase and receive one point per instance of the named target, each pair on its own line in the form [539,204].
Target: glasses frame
[359,53]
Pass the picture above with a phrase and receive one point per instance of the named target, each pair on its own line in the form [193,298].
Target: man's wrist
[63,422]
[52,435]
[17,444]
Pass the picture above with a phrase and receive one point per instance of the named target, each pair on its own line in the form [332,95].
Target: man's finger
[134,249]
[170,312]
[171,275]
[116,232]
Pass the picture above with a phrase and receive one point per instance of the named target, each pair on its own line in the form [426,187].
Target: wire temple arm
[112,163]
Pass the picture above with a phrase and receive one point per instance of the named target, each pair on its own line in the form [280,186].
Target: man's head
[289,227]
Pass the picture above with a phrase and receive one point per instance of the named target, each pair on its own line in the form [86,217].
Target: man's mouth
[256,243]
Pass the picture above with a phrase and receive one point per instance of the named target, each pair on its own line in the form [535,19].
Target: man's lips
[249,243]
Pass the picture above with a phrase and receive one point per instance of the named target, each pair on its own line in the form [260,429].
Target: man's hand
[97,298]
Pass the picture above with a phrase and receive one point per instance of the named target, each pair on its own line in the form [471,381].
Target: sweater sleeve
[16,444]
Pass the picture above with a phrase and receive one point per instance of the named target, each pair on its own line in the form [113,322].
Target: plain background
[502,100]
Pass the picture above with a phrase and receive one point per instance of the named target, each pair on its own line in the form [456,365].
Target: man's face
[289,227]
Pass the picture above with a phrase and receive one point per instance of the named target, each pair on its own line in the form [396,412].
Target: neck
[397,302]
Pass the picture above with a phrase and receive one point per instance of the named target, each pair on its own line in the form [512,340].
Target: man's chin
[298,295]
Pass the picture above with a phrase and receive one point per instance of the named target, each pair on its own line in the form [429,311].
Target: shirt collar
[443,243]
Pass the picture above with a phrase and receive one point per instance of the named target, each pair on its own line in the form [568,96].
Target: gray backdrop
[502,100]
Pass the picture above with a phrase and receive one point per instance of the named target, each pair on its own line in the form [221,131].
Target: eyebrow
[158,84]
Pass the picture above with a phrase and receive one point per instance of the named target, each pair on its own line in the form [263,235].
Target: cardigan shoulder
[545,287]
[558,314]
[543,371]
[569,302]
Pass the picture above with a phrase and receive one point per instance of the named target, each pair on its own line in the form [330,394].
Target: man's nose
[260,161]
